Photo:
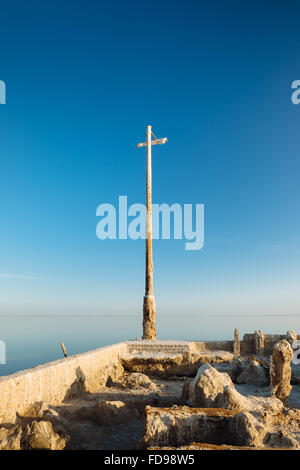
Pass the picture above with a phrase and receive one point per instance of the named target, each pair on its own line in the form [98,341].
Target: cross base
[149,313]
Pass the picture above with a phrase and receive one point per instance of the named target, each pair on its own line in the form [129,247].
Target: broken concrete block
[251,429]
[181,425]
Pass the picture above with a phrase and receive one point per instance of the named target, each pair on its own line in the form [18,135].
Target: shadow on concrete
[77,388]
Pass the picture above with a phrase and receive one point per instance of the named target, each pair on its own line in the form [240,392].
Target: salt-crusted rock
[281,439]
[250,429]
[10,437]
[253,373]
[280,371]
[213,389]
[207,386]
[136,380]
[291,336]
[40,435]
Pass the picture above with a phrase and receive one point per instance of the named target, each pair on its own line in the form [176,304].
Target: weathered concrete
[58,380]
[181,426]
[280,371]
[248,342]
[10,437]
[213,389]
[165,358]
[149,313]
[236,343]
[40,435]
[259,342]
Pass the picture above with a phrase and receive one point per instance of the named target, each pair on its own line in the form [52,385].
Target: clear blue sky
[83,79]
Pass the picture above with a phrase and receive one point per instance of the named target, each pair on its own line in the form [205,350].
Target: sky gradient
[83,80]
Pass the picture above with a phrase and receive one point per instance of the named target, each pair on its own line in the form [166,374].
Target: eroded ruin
[226,395]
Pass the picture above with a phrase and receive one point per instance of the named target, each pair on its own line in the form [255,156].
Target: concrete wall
[58,380]
[214,345]
[248,343]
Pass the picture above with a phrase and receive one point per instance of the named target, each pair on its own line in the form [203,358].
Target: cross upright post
[149,307]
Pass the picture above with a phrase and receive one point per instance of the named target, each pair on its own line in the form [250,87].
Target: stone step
[168,346]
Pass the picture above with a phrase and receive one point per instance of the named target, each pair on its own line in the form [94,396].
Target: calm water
[33,340]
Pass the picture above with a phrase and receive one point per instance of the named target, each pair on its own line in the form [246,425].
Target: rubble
[189,396]
[10,437]
[40,435]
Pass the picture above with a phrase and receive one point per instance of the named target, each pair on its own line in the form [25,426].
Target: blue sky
[83,79]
